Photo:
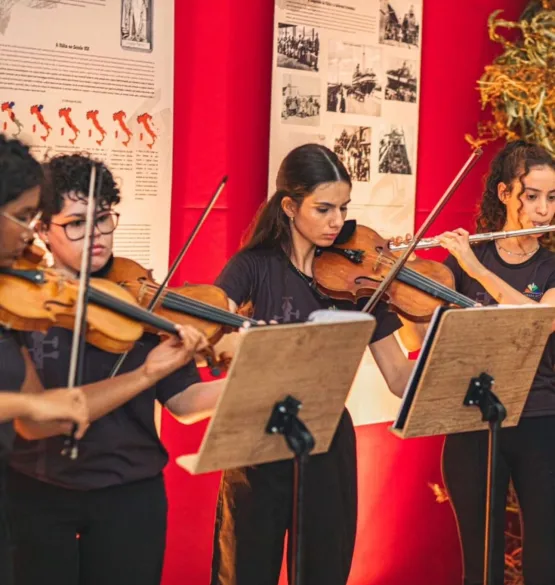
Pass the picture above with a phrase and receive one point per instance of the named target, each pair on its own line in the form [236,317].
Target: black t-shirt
[280,292]
[12,376]
[122,446]
[532,278]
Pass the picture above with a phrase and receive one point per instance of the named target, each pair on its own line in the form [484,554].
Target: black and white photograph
[395,150]
[400,23]
[355,79]
[352,144]
[300,100]
[298,47]
[136,25]
[401,79]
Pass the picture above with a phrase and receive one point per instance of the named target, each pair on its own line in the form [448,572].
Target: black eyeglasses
[105,223]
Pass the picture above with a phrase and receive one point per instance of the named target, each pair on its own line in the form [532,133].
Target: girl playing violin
[20,180]
[274,272]
[519,193]
[100,518]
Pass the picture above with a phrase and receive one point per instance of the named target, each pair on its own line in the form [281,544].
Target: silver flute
[427,243]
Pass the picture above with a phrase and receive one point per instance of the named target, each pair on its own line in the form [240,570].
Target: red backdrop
[222,102]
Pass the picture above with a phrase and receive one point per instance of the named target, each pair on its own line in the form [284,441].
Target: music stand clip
[480,394]
[284,421]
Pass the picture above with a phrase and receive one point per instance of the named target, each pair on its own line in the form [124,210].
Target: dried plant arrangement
[519,86]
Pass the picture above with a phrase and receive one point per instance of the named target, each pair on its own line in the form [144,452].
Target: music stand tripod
[458,365]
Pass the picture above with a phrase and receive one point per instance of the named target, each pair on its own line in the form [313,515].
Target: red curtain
[222,102]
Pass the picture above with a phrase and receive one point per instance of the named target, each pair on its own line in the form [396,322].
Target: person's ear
[42,232]
[289,207]
[503,193]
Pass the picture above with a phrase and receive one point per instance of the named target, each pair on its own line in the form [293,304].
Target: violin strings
[430,286]
[447,293]
[443,291]
[105,300]
[181,301]
[196,310]
[201,309]
[420,281]
[412,277]
[209,312]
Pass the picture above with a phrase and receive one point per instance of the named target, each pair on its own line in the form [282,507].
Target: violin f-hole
[68,305]
[360,279]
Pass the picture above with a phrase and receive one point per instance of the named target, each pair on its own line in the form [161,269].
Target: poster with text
[346,74]
[97,78]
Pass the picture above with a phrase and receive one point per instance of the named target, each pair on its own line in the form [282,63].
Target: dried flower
[519,87]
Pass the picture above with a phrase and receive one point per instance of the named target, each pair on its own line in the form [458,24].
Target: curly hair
[19,170]
[68,176]
[512,163]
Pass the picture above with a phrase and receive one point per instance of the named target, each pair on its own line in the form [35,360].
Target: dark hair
[19,170]
[301,171]
[512,163]
[68,176]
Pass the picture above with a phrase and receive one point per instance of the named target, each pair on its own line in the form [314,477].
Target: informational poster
[346,74]
[96,77]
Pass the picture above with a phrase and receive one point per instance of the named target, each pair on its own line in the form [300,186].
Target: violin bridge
[379,261]
[142,293]
[61,283]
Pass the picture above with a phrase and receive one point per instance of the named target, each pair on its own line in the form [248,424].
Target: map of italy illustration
[12,120]
[51,123]
[9,108]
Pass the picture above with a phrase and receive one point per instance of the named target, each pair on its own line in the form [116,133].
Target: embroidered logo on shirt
[39,349]
[288,312]
[532,291]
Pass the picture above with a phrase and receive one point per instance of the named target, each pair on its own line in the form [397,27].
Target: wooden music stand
[464,354]
[275,371]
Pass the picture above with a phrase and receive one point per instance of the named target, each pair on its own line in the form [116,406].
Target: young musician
[519,193]
[20,180]
[274,272]
[100,519]
[19,194]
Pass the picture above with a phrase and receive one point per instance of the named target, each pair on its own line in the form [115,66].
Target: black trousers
[6,574]
[110,536]
[528,457]
[255,509]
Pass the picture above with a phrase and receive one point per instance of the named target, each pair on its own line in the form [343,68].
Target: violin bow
[158,295]
[400,262]
[77,358]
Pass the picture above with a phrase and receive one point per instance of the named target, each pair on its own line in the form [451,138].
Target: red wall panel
[222,99]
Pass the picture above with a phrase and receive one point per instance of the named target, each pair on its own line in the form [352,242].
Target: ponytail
[271,227]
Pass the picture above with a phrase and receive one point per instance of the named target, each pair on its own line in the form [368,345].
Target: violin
[202,306]
[33,298]
[355,264]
